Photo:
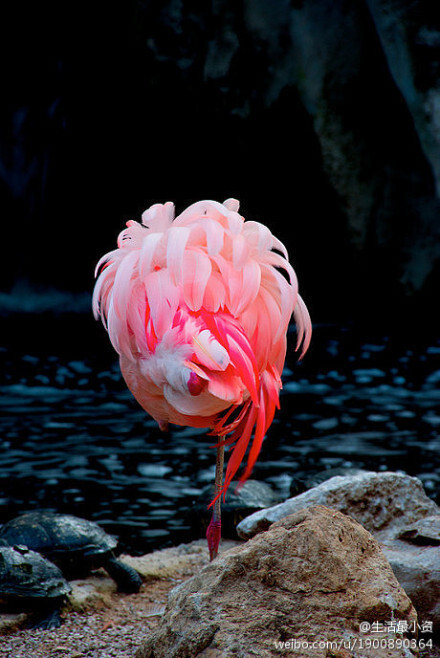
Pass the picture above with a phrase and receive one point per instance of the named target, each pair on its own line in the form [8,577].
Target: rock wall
[322,117]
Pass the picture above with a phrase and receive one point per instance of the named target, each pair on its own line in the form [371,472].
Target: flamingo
[197,307]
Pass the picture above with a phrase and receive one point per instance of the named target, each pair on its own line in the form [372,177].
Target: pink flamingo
[198,311]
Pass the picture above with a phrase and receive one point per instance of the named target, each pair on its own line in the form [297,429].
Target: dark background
[296,110]
[320,117]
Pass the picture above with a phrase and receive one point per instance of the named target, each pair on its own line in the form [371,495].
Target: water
[74,440]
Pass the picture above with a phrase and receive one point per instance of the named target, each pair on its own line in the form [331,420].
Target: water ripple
[74,440]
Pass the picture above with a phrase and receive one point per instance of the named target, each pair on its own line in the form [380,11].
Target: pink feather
[198,310]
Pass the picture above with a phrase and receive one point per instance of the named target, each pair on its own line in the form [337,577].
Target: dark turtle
[29,582]
[75,545]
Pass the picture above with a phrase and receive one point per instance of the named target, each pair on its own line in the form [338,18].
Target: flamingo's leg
[214,531]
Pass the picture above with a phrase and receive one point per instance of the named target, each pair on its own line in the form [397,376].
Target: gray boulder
[382,502]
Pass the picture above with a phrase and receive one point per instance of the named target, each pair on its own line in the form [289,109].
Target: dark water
[73,439]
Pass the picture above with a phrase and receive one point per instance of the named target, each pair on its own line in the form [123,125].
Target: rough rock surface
[366,73]
[313,577]
[417,568]
[410,36]
[396,510]
[381,502]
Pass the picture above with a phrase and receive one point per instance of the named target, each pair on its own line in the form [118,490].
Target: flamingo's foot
[213,535]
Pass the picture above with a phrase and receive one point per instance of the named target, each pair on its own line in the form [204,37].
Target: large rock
[312,578]
[409,34]
[382,502]
[414,555]
[417,568]
[396,510]
[367,75]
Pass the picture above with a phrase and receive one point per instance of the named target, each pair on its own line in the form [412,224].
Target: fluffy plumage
[198,309]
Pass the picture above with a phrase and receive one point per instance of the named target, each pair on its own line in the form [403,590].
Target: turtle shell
[71,542]
[26,575]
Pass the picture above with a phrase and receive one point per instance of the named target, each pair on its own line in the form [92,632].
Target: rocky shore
[98,621]
[350,566]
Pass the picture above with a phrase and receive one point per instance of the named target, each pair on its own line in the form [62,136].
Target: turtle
[30,583]
[74,544]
